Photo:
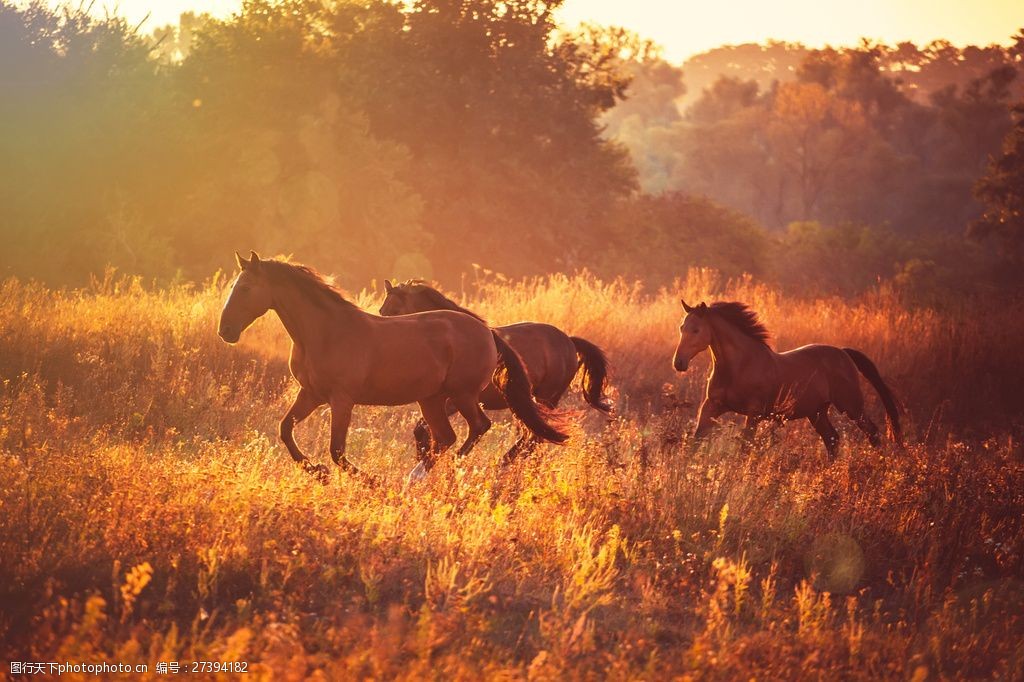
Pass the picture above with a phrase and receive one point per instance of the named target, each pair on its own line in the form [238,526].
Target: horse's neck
[306,321]
[443,303]
[731,348]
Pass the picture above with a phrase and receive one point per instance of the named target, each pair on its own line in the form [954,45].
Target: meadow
[148,512]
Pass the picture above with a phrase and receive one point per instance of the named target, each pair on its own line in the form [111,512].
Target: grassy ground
[148,513]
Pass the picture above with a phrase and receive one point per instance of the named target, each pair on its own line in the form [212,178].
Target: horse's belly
[401,384]
[803,399]
[749,405]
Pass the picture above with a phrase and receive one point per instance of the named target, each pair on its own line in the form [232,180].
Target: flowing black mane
[435,297]
[743,318]
[307,280]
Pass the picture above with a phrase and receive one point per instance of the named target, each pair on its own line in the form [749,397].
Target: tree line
[384,140]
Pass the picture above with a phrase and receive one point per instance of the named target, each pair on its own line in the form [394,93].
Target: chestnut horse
[749,378]
[552,357]
[342,356]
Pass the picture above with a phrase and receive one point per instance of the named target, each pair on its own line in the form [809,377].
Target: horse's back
[819,368]
[815,353]
[436,352]
[527,337]
[457,331]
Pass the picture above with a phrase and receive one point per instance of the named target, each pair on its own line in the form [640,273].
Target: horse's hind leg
[524,446]
[422,436]
[868,427]
[854,409]
[479,424]
[421,433]
[442,435]
[827,432]
[528,442]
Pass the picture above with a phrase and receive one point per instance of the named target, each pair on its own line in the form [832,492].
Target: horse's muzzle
[680,364]
[229,334]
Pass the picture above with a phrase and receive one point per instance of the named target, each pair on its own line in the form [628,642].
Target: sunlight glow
[687,27]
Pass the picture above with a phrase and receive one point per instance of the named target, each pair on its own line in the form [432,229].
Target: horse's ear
[388,286]
[702,307]
[254,258]
[687,308]
[242,263]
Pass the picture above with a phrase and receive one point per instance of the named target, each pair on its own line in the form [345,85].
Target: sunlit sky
[687,27]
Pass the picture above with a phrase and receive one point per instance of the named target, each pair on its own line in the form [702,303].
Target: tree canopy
[394,139]
[379,138]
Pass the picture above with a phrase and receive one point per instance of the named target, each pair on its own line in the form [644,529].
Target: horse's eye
[695,331]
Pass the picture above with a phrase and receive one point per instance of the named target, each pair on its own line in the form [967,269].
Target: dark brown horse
[749,378]
[552,357]
[342,356]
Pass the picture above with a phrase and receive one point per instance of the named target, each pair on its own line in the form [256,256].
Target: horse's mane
[743,318]
[308,281]
[435,297]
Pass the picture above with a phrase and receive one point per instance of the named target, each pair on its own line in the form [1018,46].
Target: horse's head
[694,336]
[402,299]
[250,298]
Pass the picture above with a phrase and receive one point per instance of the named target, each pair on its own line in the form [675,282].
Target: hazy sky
[685,27]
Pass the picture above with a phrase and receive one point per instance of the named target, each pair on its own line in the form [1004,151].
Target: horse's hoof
[318,471]
[418,473]
[369,480]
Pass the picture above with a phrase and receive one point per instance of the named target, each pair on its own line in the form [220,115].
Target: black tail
[594,364]
[511,380]
[870,372]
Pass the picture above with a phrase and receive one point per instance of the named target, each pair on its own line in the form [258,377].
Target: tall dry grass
[148,512]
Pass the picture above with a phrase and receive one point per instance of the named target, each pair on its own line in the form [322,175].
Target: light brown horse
[749,378]
[342,356]
[552,357]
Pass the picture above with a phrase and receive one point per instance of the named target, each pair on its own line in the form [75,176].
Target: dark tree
[1002,192]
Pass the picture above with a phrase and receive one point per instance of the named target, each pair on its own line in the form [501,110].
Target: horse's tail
[594,364]
[870,372]
[513,382]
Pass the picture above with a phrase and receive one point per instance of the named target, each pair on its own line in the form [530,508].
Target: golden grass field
[148,512]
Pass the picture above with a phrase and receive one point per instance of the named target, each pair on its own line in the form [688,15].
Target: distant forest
[446,139]
[873,134]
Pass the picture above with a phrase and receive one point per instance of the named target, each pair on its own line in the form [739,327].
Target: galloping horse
[552,357]
[749,378]
[342,356]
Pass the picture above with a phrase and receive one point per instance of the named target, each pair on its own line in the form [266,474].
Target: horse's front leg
[710,410]
[750,428]
[303,406]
